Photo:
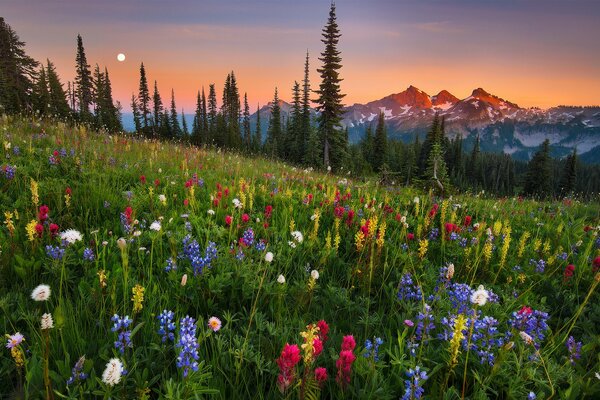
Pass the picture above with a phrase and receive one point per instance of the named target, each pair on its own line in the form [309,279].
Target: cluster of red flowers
[290,356]
[596,264]
[450,227]
[433,211]
[467,221]
[569,271]
[42,218]
[128,214]
[308,199]
[344,363]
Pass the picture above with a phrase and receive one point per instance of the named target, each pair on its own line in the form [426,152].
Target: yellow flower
[35,199]
[68,200]
[487,251]
[8,216]
[380,238]
[308,346]
[359,240]
[522,243]
[457,336]
[138,298]
[30,229]
[102,278]
[423,248]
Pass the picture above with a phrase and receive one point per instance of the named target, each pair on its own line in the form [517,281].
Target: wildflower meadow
[139,269]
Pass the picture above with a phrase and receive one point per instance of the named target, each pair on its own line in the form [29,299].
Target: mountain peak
[444,98]
[479,92]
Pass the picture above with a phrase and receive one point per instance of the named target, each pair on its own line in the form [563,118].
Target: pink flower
[344,367]
[317,347]
[323,330]
[245,218]
[348,343]
[14,340]
[228,220]
[409,323]
[320,375]
[290,356]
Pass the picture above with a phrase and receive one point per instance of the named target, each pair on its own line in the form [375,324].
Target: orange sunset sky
[533,53]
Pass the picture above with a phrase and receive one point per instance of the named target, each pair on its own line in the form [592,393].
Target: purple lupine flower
[574,349]
[408,289]
[171,265]
[166,325]
[188,355]
[532,322]
[425,324]
[88,254]
[485,339]
[55,252]
[121,325]
[414,384]
[77,373]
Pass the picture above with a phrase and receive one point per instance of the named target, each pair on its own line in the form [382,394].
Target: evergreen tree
[98,101]
[165,125]
[569,175]
[113,112]
[197,124]
[212,112]
[17,72]
[246,122]
[538,179]
[83,81]
[294,145]
[273,141]
[204,130]
[437,172]
[58,98]
[433,135]
[380,144]
[409,166]
[258,133]
[135,109]
[157,108]
[367,146]
[184,127]
[330,106]
[305,127]
[175,127]
[474,165]
[144,98]
[41,94]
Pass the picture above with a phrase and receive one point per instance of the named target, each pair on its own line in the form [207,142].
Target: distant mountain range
[503,126]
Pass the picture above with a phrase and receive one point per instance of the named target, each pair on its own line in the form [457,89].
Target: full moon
[121,57]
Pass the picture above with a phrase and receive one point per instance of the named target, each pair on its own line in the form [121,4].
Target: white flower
[162,198]
[211,212]
[476,225]
[312,217]
[137,233]
[41,293]
[237,203]
[450,271]
[480,296]
[314,274]
[403,219]
[155,226]
[416,200]
[597,375]
[257,220]
[329,168]
[281,279]
[47,322]
[269,257]
[184,280]
[71,236]
[298,237]
[112,374]
[292,244]
[526,338]
[122,243]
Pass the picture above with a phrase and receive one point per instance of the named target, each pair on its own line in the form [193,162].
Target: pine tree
[294,145]
[175,127]
[437,172]
[569,175]
[273,141]
[538,179]
[83,81]
[212,112]
[165,125]
[41,94]
[17,72]
[329,102]
[157,109]
[58,98]
[305,127]
[380,144]
[144,98]
[113,112]
[98,101]
[135,109]
[204,130]
[246,122]
[474,165]
[184,127]
[197,124]
[367,146]
[258,133]
[433,135]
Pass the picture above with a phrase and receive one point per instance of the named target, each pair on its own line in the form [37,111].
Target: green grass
[356,293]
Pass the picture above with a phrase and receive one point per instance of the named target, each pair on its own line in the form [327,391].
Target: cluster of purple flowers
[121,325]
[127,227]
[188,356]
[372,348]
[260,245]
[425,324]
[485,339]
[574,349]
[166,325]
[9,171]
[408,289]
[532,322]
[55,252]
[191,251]
[434,234]
[16,150]
[460,297]
[171,265]
[77,373]
[88,254]
[413,385]
[540,265]
[248,237]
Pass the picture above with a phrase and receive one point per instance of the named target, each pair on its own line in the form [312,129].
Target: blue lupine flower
[425,324]
[9,171]
[540,265]
[413,385]
[166,325]
[260,245]
[16,150]
[55,252]
[248,237]
[88,254]
[77,373]
[188,355]
[531,396]
[485,339]
[434,234]
[533,323]
[171,265]
[408,289]
[373,348]
[121,325]
[191,251]
[574,349]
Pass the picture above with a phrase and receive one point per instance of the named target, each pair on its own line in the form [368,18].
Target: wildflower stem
[464,385]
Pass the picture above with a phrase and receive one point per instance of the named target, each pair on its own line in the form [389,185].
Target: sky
[532,52]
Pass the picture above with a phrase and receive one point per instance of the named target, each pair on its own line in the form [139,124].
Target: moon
[121,57]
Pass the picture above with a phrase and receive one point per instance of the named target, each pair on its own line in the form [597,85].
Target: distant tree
[135,109]
[305,127]
[434,134]
[380,144]
[204,128]
[174,122]
[258,134]
[293,137]
[367,146]
[474,165]
[157,108]
[273,141]
[83,82]
[144,98]
[165,125]
[197,124]
[538,179]
[212,111]
[97,100]
[569,174]
[184,127]
[409,166]
[112,110]
[41,93]
[17,72]
[329,102]
[58,98]
[436,173]
[246,123]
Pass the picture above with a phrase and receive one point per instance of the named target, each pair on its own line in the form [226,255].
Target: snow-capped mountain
[501,124]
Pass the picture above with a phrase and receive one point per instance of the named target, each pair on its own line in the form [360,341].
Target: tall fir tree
[538,179]
[294,145]
[197,124]
[204,130]
[175,127]
[144,98]
[367,146]
[380,144]
[17,72]
[157,109]
[165,125]
[273,142]
[184,128]
[258,134]
[113,111]
[331,135]
[305,126]
[246,123]
[58,97]
[434,135]
[98,101]
[212,113]
[474,165]
[437,172]
[41,93]
[569,174]
[137,118]
[83,82]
